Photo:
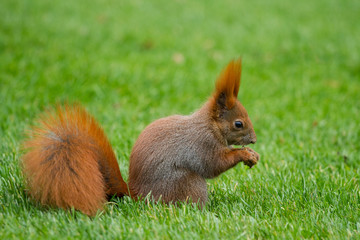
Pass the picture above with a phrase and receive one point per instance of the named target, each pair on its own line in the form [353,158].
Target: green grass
[131,62]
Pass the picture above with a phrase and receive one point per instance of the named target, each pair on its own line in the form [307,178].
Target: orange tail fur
[70,162]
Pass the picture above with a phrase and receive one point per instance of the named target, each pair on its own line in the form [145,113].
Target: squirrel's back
[70,162]
[166,160]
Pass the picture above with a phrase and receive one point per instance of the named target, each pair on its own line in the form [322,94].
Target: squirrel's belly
[179,188]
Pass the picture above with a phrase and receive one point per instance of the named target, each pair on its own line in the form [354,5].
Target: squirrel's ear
[228,84]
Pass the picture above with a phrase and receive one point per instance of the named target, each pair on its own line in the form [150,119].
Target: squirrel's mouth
[242,143]
[236,146]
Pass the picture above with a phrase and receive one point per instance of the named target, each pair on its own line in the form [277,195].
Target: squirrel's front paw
[251,158]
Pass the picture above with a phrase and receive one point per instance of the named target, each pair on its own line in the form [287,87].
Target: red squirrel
[70,162]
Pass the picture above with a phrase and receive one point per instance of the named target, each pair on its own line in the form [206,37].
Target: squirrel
[70,163]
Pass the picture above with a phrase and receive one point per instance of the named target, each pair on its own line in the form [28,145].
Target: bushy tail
[70,162]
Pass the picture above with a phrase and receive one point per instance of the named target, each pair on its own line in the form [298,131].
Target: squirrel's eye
[239,124]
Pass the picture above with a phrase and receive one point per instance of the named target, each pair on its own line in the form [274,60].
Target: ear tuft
[228,84]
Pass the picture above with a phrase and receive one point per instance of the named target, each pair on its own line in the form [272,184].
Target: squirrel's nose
[253,139]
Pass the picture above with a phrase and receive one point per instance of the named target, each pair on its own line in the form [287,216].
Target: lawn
[131,62]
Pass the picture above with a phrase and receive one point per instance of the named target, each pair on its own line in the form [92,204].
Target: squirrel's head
[229,114]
